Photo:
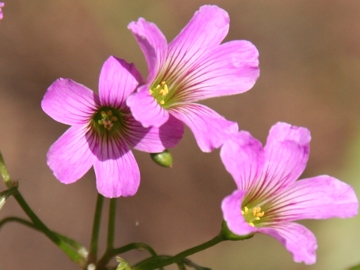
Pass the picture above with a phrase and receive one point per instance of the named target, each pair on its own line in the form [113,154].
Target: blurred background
[310,76]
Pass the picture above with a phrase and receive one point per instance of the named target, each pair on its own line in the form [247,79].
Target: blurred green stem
[73,254]
[161,261]
[109,254]
[95,231]
[111,224]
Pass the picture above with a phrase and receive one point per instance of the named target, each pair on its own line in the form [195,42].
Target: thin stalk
[95,231]
[156,262]
[109,254]
[111,224]
[74,244]
[73,255]
[5,174]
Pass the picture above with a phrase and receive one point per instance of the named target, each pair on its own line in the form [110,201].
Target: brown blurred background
[310,66]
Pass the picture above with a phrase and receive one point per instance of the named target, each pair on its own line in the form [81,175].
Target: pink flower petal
[297,239]
[286,153]
[70,157]
[231,68]
[69,102]
[317,198]
[243,158]
[117,173]
[145,108]
[1,13]
[153,44]
[231,208]
[210,129]
[207,28]
[154,139]
[118,79]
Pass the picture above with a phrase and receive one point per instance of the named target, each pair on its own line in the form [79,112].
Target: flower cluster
[149,115]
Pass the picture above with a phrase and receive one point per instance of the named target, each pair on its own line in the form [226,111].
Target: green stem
[78,247]
[111,225]
[156,262]
[5,174]
[73,255]
[19,220]
[4,195]
[95,231]
[109,254]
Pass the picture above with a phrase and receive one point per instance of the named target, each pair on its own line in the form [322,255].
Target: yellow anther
[114,118]
[252,215]
[109,113]
[164,91]
[159,92]
[257,212]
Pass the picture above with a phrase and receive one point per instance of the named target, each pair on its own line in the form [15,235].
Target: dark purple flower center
[107,120]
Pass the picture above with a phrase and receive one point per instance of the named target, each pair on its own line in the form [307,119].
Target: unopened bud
[123,265]
[163,159]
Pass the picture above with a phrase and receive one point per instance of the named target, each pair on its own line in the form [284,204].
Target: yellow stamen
[159,92]
[252,215]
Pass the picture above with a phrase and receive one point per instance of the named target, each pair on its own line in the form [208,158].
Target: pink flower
[102,129]
[268,198]
[193,67]
[1,13]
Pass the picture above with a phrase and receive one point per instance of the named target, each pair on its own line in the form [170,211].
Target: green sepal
[163,158]
[229,235]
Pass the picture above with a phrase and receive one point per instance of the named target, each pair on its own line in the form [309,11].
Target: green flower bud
[163,159]
[123,265]
[229,235]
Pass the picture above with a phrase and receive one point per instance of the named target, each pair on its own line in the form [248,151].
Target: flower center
[252,215]
[107,120]
[160,92]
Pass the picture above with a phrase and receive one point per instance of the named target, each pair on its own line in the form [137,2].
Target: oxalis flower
[1,13]
[268,198]
[193,67]
[102,129]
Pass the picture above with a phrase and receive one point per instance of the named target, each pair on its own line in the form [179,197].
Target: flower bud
[123,265]
[163,159]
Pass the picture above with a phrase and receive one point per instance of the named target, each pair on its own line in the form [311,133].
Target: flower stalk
[65,247]
[95,231]
[161,261]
